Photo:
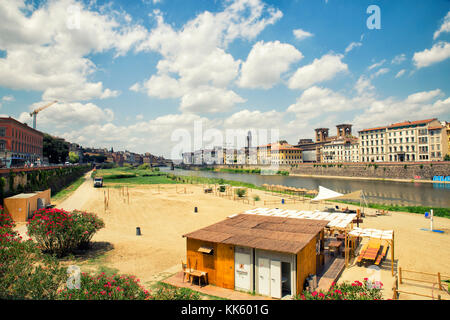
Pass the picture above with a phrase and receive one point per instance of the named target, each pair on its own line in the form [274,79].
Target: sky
[167,76]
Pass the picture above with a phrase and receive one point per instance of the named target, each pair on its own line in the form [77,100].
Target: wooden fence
[437,279]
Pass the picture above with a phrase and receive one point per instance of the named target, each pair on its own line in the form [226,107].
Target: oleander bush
[25,273]
[102,287]
[60,232]
[357,290]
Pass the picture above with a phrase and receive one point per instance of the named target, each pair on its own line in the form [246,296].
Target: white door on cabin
[242,271]
[275,277]
[264,276]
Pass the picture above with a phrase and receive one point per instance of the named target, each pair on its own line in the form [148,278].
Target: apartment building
[421,140]
[19,143]
[286,155]
[341,150]
[372,144]
[188,157]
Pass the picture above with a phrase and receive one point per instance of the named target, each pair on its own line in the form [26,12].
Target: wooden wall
[219,265]
[306,264]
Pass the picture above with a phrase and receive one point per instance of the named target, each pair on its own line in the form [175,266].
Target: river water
[384,192]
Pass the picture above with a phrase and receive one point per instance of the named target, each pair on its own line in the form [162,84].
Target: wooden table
[341,237]
[335,245]
[199,275]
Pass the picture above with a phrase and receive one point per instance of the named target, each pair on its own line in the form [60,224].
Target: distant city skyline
[127,74]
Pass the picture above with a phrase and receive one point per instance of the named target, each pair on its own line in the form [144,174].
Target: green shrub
[240,192]
[222,188]
[171,293]
[102,287]
[144,166]
[356,291]
[60,232]
[25,273]
[256,197]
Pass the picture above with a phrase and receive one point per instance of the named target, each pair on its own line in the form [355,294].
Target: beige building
[341,150]
[372,145]
[422,140]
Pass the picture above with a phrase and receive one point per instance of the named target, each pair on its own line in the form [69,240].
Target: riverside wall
[416,171]
[18,180]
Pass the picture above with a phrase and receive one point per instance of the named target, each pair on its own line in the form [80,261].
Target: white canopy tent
[328,194]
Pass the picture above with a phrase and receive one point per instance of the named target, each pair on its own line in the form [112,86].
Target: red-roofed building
[19,143]
[421,140]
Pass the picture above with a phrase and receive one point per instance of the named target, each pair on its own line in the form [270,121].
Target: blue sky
[129,74]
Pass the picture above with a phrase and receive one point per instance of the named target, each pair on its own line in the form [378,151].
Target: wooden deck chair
[374,243]
[361,254]
[382,255]
[184,267]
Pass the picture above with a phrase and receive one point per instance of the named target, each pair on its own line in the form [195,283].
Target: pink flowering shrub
[60,232]
[121,287]
[25,273]
[102,287]
[357,290]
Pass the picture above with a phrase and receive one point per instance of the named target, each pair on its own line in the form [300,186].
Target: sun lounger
[361,255]
[374,243]
[382,255]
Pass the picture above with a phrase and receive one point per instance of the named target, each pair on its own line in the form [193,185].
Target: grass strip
[64,193]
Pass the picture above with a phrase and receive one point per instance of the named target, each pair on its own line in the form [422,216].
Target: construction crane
[35,112]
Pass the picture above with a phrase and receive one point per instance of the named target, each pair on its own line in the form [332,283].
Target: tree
[73,157]
[56,149]
[447,157]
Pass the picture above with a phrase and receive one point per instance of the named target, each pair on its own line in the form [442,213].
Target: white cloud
[380,72]
[363,86]
[246,119]
[265,64]
[439,52]
[391,110]
[445,26]
[64,115]
[206,99]
[8,98]
[424,96]
[47,53]
[376,65]
[400,73]
[195,55]
[317,101]
[398,59]
[352,45]
[323,69]
[301,34]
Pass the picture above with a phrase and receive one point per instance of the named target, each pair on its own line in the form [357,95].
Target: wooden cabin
[267,255]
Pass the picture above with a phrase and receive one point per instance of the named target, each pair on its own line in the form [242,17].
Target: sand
[165,216]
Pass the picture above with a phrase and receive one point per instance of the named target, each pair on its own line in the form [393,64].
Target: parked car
[98,182]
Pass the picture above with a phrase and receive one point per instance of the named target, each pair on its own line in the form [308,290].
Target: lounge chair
[361,255]
[382,255]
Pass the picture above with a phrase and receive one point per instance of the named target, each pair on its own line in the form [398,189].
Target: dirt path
[78,199]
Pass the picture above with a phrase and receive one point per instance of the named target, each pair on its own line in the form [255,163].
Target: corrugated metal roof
[262,232]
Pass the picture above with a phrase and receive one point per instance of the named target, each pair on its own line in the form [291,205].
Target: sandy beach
[165,212]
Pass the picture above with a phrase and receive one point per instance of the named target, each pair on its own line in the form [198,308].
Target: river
[375,191]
